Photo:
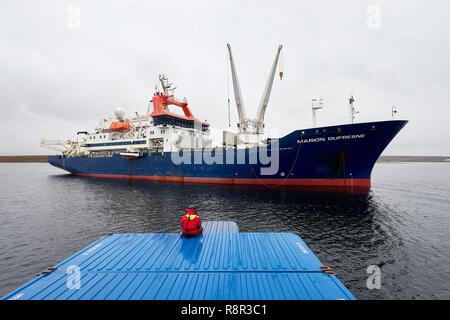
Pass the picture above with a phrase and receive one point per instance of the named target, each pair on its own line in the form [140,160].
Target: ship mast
[316,104]
[353,111]
[167,87]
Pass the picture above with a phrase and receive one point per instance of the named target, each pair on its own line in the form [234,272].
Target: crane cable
[283,181]
[228,91]
[281,73]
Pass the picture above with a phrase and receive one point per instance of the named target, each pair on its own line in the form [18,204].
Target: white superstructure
[133,135]
[160,130]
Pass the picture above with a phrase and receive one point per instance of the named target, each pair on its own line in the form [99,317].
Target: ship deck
[221,264]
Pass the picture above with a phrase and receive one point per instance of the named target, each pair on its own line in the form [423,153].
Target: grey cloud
[55,81]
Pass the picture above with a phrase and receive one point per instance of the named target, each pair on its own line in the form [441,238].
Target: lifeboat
[120,126]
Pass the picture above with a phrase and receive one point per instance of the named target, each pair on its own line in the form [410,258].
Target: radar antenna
[353,111]
[167,87]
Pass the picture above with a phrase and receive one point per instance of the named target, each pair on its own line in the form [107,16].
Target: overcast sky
[66,64]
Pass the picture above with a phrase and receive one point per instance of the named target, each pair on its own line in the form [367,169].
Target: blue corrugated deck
[220,226]
[220,264]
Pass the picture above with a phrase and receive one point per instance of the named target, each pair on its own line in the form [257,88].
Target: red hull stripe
[361,183]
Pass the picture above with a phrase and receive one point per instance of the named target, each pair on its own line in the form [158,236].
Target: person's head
[191,210]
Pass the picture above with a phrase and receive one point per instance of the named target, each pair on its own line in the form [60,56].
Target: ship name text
[333,138]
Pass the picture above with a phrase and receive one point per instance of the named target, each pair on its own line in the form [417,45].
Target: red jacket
[191,225]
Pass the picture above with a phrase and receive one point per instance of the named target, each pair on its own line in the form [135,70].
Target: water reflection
[191,248]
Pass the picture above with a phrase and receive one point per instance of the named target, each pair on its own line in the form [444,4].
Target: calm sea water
[402,224]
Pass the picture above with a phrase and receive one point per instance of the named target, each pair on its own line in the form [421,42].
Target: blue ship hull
[335,156]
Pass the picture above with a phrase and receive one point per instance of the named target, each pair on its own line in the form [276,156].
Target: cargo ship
[165,145]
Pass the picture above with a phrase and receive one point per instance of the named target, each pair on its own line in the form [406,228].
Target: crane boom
[237,91]
[266,94]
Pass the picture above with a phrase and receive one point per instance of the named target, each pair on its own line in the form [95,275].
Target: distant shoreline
[396,159]
[383,159]
[22,159]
